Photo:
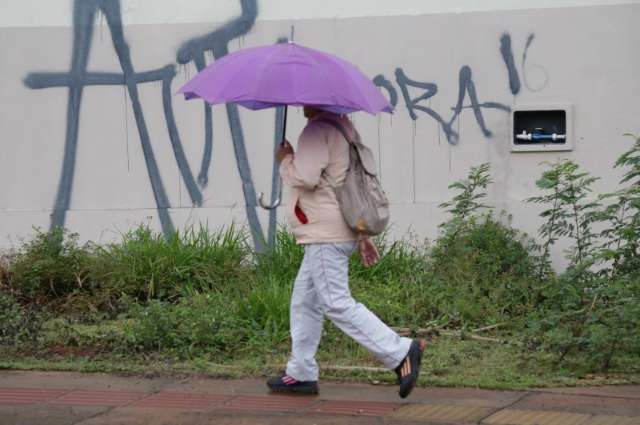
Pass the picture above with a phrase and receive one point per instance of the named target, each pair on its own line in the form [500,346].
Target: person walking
[321,288]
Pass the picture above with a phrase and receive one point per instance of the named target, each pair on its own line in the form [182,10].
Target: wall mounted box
[539,128]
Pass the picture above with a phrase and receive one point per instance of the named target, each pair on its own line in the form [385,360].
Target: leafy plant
[264,311]
[18,324]
[570,213]
[403,261]
[147,265]
[480,267]
[600,323]
[485,271]
[51,265]
[195,325]
[621,236]
[282,259]
[471,193]
[590,311]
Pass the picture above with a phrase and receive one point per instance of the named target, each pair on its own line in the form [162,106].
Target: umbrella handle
[275,204]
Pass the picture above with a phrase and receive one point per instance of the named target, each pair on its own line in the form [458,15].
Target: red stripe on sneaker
[289,380]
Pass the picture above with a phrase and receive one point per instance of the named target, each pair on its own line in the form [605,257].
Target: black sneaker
[409,369]
[287,384]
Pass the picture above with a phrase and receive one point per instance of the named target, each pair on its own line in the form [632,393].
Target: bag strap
[343,131]
[355,146]
[337,126]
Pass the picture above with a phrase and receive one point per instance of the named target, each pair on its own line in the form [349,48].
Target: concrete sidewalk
[57,398]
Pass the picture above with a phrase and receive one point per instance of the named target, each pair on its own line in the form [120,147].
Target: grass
[448,362]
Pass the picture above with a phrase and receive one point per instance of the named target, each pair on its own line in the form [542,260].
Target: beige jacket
[321,147]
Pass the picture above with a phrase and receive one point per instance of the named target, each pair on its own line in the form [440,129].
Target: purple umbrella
[286,74]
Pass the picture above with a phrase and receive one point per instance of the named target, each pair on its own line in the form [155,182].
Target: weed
[481,269]
[264,311]
[587,310]
[570,212]
[621,236]
[146,265]
[51,265]
[19,325]
[195,325]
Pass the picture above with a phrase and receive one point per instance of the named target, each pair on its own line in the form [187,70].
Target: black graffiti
[217,42]
[507,56]
[466,88]
[380,81]
[509,61]
[84,12]
[78,78]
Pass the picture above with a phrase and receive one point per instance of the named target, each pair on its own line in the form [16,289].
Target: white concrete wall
[582,52]
[28,13]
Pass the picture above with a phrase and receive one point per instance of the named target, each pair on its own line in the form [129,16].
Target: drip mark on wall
[539,68]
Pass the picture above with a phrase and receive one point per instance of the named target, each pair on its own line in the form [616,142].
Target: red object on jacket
[300,214]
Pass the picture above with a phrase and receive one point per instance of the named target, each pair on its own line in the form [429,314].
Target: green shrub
[589,311]
[400,261]
[199,324]
[480,268]
[620,248]
[281,260]
[569,211]
[51,265]
[264,310]
[19,324]
[598,322]
[146,265]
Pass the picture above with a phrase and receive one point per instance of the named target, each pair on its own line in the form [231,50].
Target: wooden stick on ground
[354,368]
[487,328]
[428,331]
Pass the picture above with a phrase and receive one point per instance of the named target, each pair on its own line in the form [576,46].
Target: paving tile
[273,403]
[356,408]
[28,395]
[580,404]
[181,400]
[98,398]
[535,417]
[613,420]
[624,391]
[442,413]
[151,416]
[45,414]
[362,392]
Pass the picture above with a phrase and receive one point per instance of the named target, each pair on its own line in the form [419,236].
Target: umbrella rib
[353,84]
[259,80]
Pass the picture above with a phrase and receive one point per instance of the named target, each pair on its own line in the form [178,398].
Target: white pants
[322,289]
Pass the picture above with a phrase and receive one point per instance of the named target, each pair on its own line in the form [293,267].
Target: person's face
[310,112]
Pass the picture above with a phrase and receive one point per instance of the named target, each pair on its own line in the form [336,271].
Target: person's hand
[368,252]
[284,149]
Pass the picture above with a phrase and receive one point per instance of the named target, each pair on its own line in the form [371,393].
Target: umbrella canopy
[286,74]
